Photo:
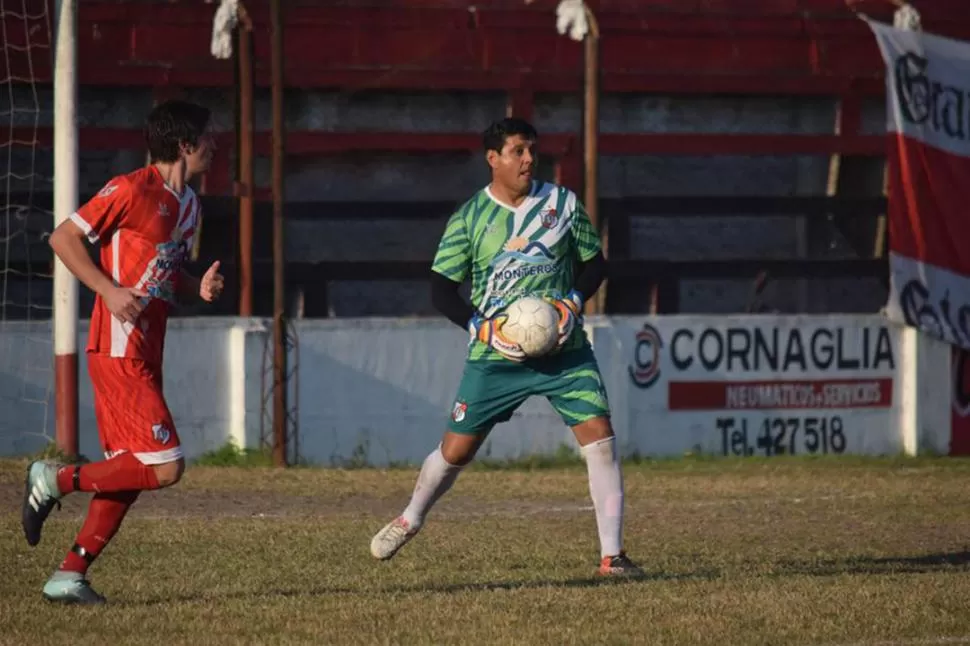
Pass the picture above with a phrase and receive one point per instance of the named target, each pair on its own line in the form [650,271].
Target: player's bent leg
[136,429]
[47,482]
[169,473]
[143,453]
[460,448]
[121,472]
[438,473]
[105,515]
[488,394]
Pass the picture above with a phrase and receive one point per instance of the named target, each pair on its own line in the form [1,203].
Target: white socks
[606,490]
[435,479]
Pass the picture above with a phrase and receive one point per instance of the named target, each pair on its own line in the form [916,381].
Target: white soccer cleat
[391,538]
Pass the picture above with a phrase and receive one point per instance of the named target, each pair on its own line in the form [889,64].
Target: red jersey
[146,230]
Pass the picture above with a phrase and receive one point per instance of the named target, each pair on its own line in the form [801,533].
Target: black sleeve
[447,300]
[589,275]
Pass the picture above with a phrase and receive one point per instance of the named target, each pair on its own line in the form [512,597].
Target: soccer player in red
[145,222]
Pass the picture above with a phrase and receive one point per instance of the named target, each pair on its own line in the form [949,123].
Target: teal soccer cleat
[40,496]
[71,588]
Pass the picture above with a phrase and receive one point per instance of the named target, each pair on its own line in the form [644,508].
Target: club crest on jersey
[107,190]
[458,412]
[162,210]
[550,218]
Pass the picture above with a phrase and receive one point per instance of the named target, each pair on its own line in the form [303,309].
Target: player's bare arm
[68,242]
[208,288]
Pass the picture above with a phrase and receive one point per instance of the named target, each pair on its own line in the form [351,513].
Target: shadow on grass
[925,563]
[425,588]
[858,565]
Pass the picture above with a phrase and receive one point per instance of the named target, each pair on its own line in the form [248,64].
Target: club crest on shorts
[161,433]
[458,412]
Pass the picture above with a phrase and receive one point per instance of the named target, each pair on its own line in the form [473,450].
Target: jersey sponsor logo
[536,257]
[522,250]
[169,255]
[168,260]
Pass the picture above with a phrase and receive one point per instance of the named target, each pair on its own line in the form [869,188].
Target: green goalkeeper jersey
[514,252]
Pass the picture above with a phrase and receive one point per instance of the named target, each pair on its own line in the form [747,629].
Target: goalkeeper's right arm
[446,299]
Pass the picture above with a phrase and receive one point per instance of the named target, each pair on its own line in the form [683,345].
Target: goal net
[26,185]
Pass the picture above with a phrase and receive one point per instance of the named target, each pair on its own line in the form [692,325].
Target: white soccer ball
[533,323]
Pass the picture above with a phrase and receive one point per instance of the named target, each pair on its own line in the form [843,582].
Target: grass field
[780,551]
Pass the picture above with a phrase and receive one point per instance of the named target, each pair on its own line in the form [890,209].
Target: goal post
[65,298]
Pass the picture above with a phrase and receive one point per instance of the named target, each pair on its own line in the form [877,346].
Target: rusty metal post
[279,296]
[245,188]
[590,140]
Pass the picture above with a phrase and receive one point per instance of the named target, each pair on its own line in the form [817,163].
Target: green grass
[739,551]
[231,455]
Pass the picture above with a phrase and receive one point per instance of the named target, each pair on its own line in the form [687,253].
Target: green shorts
[491,390]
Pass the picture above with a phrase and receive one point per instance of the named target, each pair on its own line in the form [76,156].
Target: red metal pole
[590,146]
[279,284]
[246,188]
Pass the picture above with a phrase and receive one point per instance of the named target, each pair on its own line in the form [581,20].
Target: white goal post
[65,298]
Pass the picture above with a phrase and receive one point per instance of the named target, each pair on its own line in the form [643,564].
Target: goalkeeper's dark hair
[496,134]
[171,124]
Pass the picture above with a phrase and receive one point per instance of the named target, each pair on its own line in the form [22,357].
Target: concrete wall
[380,390]
[201,385]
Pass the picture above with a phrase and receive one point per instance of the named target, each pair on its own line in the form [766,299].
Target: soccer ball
[533,323]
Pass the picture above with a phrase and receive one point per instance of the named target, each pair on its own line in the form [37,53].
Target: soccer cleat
[40,496]
[619,566]
[391,538]
[71,587]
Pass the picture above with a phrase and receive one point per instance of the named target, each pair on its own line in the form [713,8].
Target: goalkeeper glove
[570,311]
[489,332]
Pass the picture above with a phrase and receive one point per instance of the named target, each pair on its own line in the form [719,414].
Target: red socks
[124,472]
[105,514]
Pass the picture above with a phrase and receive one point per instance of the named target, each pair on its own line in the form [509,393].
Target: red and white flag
[928,114]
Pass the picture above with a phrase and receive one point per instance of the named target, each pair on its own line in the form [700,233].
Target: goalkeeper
[518,237]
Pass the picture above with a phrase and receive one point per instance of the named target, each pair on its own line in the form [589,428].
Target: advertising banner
[761,385]
[928,138]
